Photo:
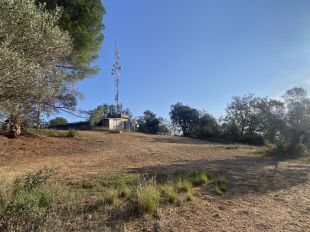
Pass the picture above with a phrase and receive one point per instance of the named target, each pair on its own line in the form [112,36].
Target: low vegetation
[35,201]
[71,133]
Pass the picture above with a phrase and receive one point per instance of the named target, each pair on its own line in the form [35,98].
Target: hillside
[262,194]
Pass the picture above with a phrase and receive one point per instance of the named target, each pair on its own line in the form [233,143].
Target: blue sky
[200,52]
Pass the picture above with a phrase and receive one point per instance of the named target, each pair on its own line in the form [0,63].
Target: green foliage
[184,117]
[119,179]
[96,115]
[31,202]
[184,186]
[205,127]
[71,133]
[169,192]
[31,46]
[124,191]
[189,196]
[110,197]
[56,133]
[83,20]
[199,178]
[28,202]
[251,139]
[220,185]
[298,119]
[104,110]
[149,123]
[147,198]
[57,121]
[33,180]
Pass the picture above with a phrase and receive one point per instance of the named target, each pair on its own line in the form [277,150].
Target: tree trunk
[38,125]
[15,124]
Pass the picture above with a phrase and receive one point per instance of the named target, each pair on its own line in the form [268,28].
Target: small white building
[117,122]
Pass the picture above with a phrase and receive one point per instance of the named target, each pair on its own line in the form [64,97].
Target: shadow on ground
[178,140]
[245,175]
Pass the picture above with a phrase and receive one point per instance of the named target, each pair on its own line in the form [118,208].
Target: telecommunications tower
[116,72]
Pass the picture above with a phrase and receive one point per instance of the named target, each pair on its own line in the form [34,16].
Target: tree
[272,118]
[149,123]
[96,115]
[164,126]
[57,121]
[31,45]
[207,126]
[297,118]
[238,112]
[184,117]
[83,20]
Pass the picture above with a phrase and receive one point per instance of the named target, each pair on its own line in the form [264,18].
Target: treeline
[248,119]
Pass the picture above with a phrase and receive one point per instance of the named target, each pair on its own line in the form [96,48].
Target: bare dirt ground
[263,195]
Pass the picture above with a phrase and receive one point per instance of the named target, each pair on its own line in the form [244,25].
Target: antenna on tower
[116,72]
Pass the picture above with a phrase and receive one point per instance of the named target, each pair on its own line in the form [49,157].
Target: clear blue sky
[201,52]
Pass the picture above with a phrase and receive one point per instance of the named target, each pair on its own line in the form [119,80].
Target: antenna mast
[116,72]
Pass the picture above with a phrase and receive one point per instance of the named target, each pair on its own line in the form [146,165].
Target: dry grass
[262,194]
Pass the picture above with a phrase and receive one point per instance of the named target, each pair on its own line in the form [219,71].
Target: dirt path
[263,195]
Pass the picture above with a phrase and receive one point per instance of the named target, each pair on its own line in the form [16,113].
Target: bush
[27,202]
[33,179]
[252,139]
[71,133]
[283,150]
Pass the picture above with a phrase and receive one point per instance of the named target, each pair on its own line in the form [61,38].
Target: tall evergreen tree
[83,20]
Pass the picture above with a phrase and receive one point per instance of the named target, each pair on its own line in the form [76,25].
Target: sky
[200,53]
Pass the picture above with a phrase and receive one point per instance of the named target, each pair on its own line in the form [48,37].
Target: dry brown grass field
[262,194]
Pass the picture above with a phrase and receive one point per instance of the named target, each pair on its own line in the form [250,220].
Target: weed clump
[147,198]
[220,185]
[184,186]
[124,191]
[169,193]
[110,197]
[189,197]
[199,178]
[27,203]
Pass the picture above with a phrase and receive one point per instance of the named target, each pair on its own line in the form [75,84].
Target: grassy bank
[37,202]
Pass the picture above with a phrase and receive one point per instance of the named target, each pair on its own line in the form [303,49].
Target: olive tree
[31,46]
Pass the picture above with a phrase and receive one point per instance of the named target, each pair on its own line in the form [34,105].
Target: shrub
[252,139]
[49,132]
[147,198]
[283,150]
[33,179]
[71,133]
